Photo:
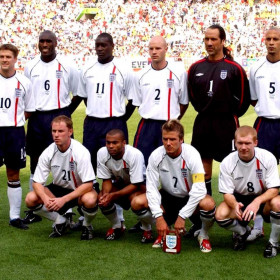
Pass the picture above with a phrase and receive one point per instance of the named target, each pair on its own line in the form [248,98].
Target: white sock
[89,215]
[47,214]
[275,228]
[146,219]
[120,212]
[59,219]
[14,196]
[258,223]
[112,215]
[31,182]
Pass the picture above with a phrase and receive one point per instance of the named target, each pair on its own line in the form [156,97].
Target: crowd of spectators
[133,22]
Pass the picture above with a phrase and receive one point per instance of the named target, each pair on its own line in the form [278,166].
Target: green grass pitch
[32,255]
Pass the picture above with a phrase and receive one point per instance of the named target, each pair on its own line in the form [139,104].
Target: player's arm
[58,202]
[103,198]
[183,109]
[129,189]
[255,204]
[129,110]
[39,189]
[231,201]
[75,102]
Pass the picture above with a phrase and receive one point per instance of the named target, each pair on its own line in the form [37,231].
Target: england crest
[171,241]
[259,173]
[223,74]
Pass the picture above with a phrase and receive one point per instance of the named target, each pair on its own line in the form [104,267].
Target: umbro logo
[199,74]
[55,166]
[35,76]
[260,77]
[238,178]
[145,85]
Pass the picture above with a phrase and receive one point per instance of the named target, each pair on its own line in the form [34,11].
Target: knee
[221,212]
[275,204]
[207,204]
[31,199]
[89,200]
[139,202]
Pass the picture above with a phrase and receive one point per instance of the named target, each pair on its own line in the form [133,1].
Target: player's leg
[273,209]
[207,213]
[226,218]
[139,205]
[89,209]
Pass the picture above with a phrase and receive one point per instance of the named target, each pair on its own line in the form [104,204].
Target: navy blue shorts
[148,137]
[39,133]
[172,206]
[58,191]
[213,135]
[95,131]
[12,147]
[269,135]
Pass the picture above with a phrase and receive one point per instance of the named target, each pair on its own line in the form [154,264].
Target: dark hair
[107,36]
[63,118]
[116,131]
[10,47]
[50,33]
[222,36]
[174,125]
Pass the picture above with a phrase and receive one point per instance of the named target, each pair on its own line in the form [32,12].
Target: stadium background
[30,254]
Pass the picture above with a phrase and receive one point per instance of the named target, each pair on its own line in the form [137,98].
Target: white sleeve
[43,168]
[82,87]
[272,175]
[103,171]
[226,184]
[183,98]
[137,169]
[253,92]
[128,85]
[29,101]
[197,193]
[152,192]
[137,97]
[74,80]
[84,167]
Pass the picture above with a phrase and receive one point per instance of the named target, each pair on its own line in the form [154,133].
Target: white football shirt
[16,97]
[159,93]
[248,178]
[69,169]
[52,82]
[182,176]
[106,87]
[130,169]
[265,87]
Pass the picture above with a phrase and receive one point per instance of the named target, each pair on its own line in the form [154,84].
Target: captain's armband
[198,178]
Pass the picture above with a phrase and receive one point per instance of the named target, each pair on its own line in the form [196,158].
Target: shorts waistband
[52,111]
[104,119]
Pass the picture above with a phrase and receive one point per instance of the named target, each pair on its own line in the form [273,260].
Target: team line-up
[163,180]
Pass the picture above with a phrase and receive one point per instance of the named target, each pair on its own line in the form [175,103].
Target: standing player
[122,169]
[161,94]
[219,92]
[264,84]
[53,80]
[105,84]
[177,167]
[69,163]
[249,181]
[16,105]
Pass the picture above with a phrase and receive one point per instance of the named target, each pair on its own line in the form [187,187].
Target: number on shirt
[5,103]
[175,182]
[272,87]
[98,87]
[66,175]
[250,187]
[47,85]
[158,94]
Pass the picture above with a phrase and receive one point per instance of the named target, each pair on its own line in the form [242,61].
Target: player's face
[245,146]
[7,61]
[213,44]
[115,145]
[157,49]
[104,50]
[61,135]
[172,143]
[47,45]
[272,42]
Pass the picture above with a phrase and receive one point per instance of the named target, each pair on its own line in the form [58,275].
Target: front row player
[178,168]
[249,181]
[122,169]
[17,103]
[73,175]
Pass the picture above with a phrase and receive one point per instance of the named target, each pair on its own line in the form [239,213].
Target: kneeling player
[249,181]
[178,168]
[73,175]
[122,169]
